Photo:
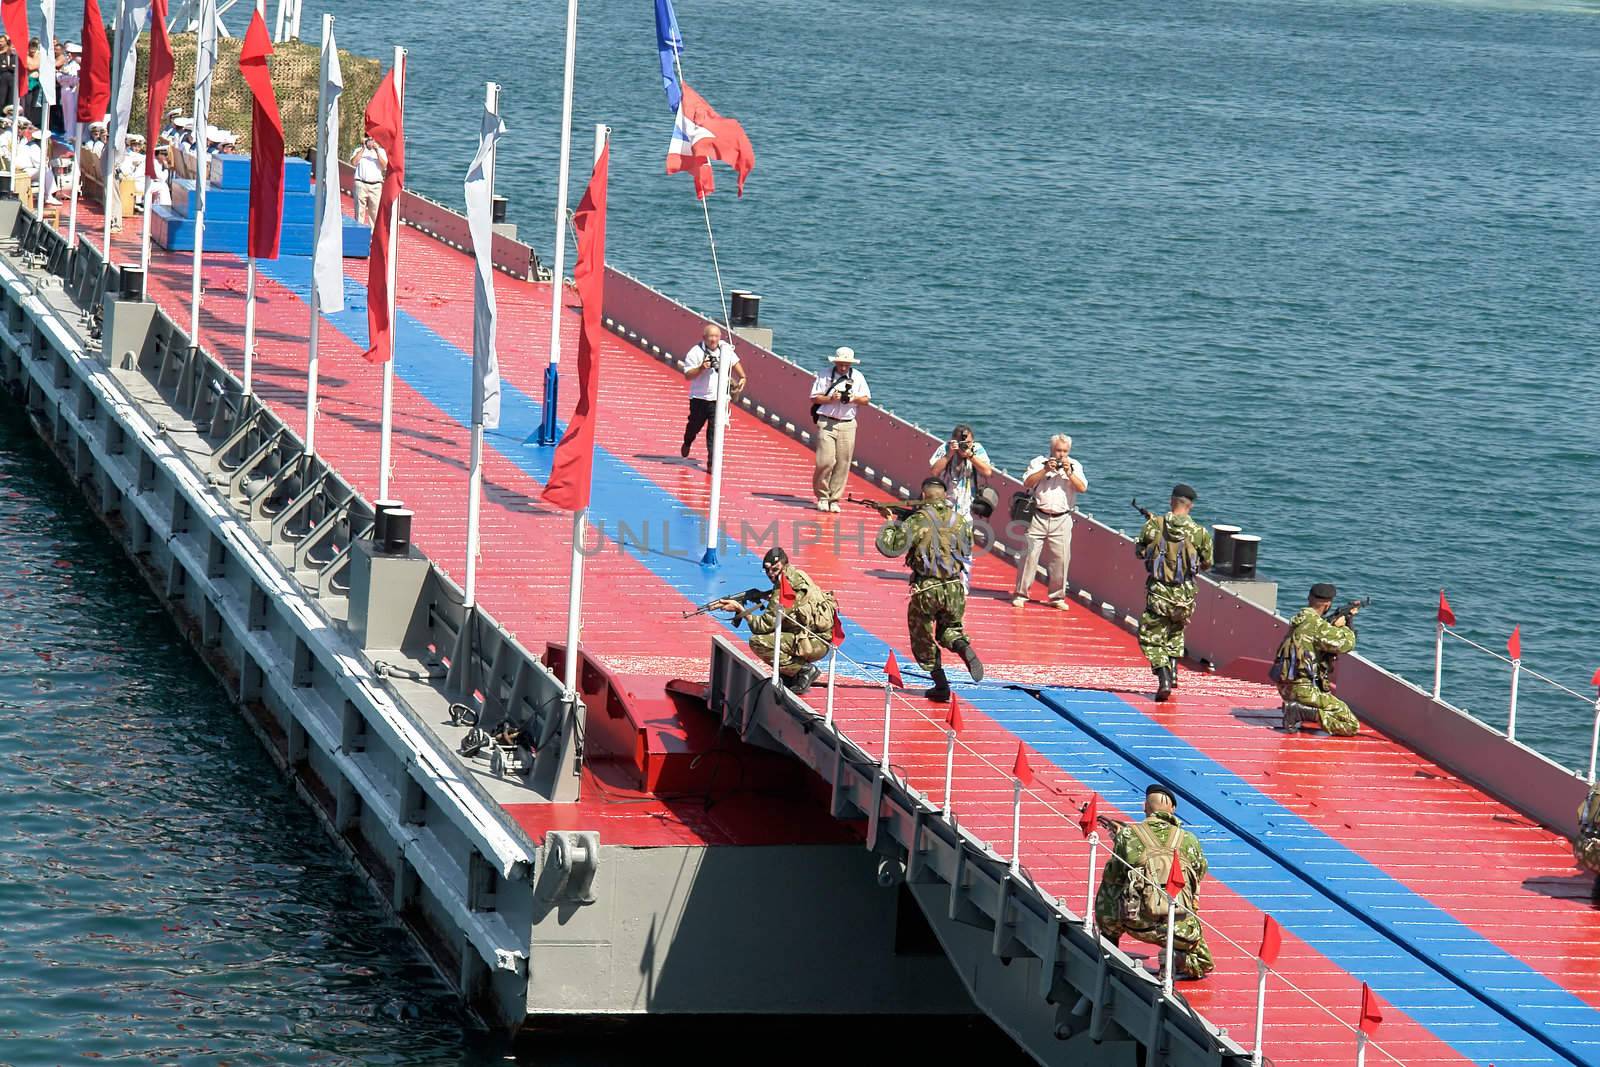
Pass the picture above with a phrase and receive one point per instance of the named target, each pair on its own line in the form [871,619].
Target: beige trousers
[1052,533]
[836,446]
[367,202]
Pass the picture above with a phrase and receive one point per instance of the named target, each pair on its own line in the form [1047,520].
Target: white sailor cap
[132,137]
[73,48]
[183,122]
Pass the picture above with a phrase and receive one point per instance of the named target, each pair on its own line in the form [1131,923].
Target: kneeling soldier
[1586,846]
[1303,667]
[1132,898]
[807,625]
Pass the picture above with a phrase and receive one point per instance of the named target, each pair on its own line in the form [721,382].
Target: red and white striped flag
[699,136]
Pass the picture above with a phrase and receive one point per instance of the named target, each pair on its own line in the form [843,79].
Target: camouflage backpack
[940,541]
[1172,558]
[1586,846]
[1144,898]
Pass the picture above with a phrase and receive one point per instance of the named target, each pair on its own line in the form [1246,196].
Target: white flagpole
[108,165]
[51,92]
[77,179]
[277,33]
[327,156]
[206,39]
[385,432]
[552,373]
[491,104]
[250,289]
[144,239]
[294,21]
[580,518]
[45,173]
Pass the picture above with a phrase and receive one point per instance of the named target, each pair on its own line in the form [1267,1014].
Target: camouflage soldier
[939,540]
[1586,846]
[1132,897]
[1174,548]
[807,626]
[1303,666]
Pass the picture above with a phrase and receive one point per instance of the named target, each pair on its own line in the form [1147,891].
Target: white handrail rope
[1525,668]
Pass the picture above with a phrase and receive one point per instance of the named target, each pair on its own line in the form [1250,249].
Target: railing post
[833,669]
[1594,740]
[949,774]
[1511,718]
[1172,923]
[1361,1048]
[1261,1011]
[1438,657]
[777,648]
[1016,825]
[888,710]
[1094,867]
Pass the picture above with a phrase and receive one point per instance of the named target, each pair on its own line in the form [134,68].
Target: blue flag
[670,42]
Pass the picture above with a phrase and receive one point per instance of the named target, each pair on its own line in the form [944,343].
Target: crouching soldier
[1132,898]
[807,624]
[1303,666]
[1586,846]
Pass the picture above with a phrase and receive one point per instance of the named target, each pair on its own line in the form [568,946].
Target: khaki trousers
[836,446]
[367,201]
[1052,533]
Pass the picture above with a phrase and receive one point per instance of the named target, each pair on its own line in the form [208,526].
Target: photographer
[835,397]
[703,364]
[1054,482]
[958,463]
[370,163]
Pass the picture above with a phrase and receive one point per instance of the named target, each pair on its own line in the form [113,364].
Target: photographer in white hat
[835,398]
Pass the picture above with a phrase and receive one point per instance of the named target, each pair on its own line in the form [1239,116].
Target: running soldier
[1303,666]
[939,551]
[1586,846]
[1174,548]
[807,625]
[1132,898]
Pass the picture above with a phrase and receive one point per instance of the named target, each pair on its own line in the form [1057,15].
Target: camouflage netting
[296,76]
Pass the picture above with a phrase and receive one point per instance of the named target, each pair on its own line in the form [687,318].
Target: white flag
[47,56]
[479,189]
[131,19]
[205,60]
[328,256]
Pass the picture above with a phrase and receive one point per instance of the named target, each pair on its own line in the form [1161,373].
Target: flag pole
[491,104]
[50,91]
[77,179]
[108,165]
[385,432]
[552,373]
[250,292]
[327,155]
[205,37]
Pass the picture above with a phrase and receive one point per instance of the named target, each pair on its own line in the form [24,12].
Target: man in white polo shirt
[837,395]
[370,163]
[1055,482]
[701,364]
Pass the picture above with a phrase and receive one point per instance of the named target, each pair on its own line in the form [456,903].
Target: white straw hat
[845,355]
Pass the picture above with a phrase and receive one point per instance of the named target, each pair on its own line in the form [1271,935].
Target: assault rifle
[887,509]
[1143,511]
[1348,612]
[750,596]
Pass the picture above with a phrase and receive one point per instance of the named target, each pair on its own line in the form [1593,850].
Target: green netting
[296,76]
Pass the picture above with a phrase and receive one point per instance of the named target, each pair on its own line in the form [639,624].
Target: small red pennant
[1595,681]
[1175,879]
[1021,769]
[1371,1015]
[953,720]
[1271,941]
[1446,616]
[838,630]
[1090,815]
[891,667]
[1514,646]
[785,592]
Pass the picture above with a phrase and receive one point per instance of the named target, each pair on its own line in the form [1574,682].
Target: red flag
[891,667]
[14,13]
[1175,878]
[1446,616]
[701,135]
[953,719]
[1514,646]
[386,124]
[1595,681]
[572,469]
[266,143]
[838,630]
[94,70]
[160,82]
[1371,1016]
[1271,941]
[1090,816]
[785,591]
[1021,769]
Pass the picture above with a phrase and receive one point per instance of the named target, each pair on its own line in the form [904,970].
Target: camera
[712,362]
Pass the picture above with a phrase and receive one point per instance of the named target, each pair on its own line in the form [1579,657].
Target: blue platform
[228,212]
[233,172]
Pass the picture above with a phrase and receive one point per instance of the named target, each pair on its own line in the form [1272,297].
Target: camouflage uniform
[940,551]
[1168,605]
[1191,956]
[1586,846]
[807,626]
[1304,664]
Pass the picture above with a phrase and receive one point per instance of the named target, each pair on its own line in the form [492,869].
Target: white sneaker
[822,505]
[1062,604]
[834,506]
[1018,601]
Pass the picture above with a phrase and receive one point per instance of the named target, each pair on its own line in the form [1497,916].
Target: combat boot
[803,679]
[1294,714]
[1163,683]
[969,656]
[940,692]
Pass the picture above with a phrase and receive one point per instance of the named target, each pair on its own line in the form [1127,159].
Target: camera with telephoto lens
[712,362]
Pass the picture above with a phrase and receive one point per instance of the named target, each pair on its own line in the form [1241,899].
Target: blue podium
[228,212]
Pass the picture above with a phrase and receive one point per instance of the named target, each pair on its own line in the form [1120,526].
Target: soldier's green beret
[1157,787]
[1185,491]
[1323,591]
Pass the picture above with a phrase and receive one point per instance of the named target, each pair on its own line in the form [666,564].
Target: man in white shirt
[959,463]
[702,366]
[1054,482]
[370,162]
[836,396]
[67,74]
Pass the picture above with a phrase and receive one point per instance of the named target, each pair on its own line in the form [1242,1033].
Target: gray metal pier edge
[259,550]
[1062,993]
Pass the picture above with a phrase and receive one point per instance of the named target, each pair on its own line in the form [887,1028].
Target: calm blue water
[1332,262]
